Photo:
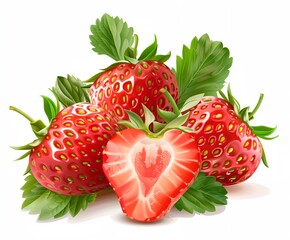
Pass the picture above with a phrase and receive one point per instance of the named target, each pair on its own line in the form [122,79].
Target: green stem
[251,114]
[30,119]
[136,41]
[171,101]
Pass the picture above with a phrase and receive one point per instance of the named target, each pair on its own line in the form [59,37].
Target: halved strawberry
[150,172]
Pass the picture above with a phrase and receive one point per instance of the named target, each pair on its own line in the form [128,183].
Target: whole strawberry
[130,81]
[127,86]
[230,148]
[68,159]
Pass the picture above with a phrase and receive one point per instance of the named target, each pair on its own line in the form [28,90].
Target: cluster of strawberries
[143,130]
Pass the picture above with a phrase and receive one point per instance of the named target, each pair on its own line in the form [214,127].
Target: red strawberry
[150,172]
[230,148]
[131,80]
[69,158]
[127,86]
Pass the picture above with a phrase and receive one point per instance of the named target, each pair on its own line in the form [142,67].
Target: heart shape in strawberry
[150,159]
[150,174]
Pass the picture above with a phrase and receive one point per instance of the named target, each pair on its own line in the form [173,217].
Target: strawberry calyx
[38,127]
[246,115]
[152,128]
[177,112]
[149,53]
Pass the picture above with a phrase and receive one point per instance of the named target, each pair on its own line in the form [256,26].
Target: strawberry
[150,171]
[68,160]
[126,86]
[130,80]
[230,148]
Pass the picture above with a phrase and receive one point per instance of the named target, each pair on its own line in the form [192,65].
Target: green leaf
[167,116]
[264,131]
[93,78]
[264,158]
[112,37]
[177,122]
[63,212]
[186,129]
[51,204]
[235,103]
[203,195]
[135,119]
[39,128]
[244,114]
[148,115]
[127,124]
[79,203]
[150,51]
[27,170]
[96,76]
[131,59]
[50,108]
[191,102]
[30,188]
[161,58]
[28,146]
[70,90]
[202,68]
[23,156]
[48,204]
[131,52]
[157,126]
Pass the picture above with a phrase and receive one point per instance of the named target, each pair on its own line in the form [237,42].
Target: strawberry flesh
[149,175]
[150,159]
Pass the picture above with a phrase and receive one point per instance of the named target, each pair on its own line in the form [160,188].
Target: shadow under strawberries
[247,190]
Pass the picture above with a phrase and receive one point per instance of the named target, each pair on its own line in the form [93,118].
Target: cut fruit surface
[150,174]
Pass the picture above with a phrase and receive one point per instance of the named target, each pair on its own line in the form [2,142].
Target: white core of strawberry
[150,174]
[150,158]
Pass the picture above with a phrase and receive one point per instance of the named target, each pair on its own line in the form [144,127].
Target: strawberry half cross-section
[150,172]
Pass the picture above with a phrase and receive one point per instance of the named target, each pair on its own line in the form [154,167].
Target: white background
[43,39]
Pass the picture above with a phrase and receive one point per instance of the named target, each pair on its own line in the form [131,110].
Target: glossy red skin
[229,149]
[147,193]
[69,159]
[127,86]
